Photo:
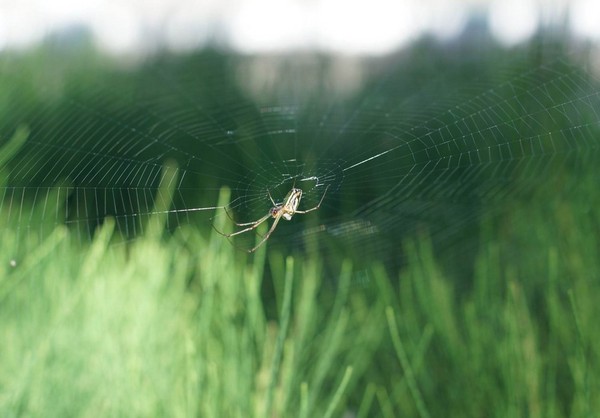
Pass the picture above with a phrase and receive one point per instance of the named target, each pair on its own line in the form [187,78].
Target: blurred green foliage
[179,325]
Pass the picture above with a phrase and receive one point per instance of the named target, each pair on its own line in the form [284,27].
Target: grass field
[177,326]
[186,325]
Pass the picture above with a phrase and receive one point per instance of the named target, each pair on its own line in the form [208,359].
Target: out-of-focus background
[448,155]
[376,27]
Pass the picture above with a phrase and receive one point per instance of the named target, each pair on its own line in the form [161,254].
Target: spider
[285,210]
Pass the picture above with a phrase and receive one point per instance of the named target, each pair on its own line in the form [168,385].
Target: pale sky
[342,26]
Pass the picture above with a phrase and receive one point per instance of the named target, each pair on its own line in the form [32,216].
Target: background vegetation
[184,324]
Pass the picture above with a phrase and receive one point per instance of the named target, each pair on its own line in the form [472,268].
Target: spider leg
[254,224]
[272,201]
[268,234]
[237,223]
[316,207]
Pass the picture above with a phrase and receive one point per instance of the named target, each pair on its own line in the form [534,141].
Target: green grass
[177,326]
[173,327]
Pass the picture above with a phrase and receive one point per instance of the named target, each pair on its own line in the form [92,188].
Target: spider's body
[289,206]
[285,210]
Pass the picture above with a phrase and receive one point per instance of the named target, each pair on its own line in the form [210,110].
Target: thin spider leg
[250,228]
[268,234]
[237,223]
[270,197]
[316,207]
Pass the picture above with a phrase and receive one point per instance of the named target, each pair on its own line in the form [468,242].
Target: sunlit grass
[173,327]
[179,325]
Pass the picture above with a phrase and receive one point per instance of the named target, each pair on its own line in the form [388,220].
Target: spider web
[423,141]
